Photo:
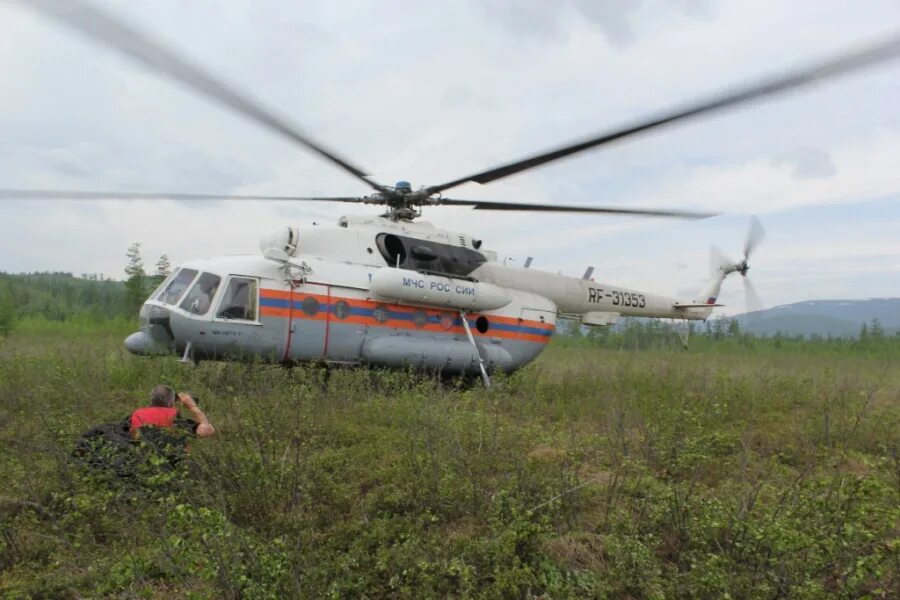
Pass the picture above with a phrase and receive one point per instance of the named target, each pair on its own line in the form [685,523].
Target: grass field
[592,473]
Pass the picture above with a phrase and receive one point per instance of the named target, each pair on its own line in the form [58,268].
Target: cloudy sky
[430,91]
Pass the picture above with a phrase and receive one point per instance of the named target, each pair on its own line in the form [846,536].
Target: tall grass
[591,473]
[79,325]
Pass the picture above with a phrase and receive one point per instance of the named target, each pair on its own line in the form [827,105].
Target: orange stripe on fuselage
[370,321]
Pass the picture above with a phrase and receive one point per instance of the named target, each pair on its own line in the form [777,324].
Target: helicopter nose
[143,344]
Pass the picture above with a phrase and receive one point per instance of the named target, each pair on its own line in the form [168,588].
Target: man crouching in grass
[163,413]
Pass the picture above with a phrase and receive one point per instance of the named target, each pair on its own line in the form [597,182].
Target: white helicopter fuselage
[382,292]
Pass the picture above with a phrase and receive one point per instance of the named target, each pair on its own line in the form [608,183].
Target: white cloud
[806,163]
[863,170]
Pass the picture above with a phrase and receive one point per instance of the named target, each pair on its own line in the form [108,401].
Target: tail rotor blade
[754,236]
[751,298]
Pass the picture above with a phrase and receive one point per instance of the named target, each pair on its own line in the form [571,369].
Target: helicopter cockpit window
[240,300]
[162,285]
[199,299]
[177,286]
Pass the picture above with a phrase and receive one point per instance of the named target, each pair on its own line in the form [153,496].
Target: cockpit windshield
[162,285]
[199,299]
[177,286]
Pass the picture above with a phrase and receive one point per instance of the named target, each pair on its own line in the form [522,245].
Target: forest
[49,299]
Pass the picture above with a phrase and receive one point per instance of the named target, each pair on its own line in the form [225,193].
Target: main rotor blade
[12,194]
[125,39]
[883,50]
[607,210]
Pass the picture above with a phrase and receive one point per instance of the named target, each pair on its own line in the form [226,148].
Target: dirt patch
[577,550]
[545,453]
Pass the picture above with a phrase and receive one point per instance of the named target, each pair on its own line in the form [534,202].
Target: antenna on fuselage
[587,274]
[528,262]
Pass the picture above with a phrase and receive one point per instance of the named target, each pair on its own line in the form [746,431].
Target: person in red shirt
[163,413]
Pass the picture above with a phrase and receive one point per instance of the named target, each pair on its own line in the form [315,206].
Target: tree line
[656,334]
[62,296]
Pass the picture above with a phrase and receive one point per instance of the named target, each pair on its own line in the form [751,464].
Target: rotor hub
[402,201]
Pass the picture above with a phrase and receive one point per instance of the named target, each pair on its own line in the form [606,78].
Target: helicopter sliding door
[307,322]
[346,325]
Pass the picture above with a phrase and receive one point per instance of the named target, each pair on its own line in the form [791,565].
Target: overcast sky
[430,91]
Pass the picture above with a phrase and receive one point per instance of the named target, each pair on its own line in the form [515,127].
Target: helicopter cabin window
[310,306]
[341,309]
[199,299]
[381,313]
[240,300]
[177,286]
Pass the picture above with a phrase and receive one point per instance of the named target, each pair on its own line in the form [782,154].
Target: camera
[196,399]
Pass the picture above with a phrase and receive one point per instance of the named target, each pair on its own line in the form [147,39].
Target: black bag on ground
[110,447]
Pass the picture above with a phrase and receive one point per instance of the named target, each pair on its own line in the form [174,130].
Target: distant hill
[838,318]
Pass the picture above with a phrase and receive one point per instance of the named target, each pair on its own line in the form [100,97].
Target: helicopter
[394,290]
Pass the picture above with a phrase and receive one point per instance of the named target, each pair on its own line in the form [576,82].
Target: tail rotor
[721,263]
[755,235]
